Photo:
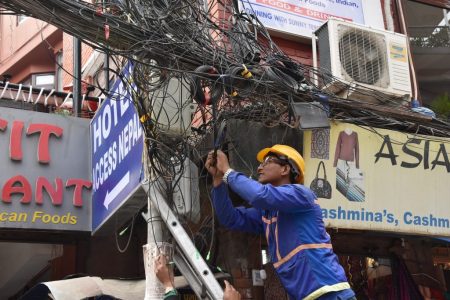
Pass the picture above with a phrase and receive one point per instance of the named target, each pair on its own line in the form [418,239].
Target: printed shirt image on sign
[116,145]
[302,17]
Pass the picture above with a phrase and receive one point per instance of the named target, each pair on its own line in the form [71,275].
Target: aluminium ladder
[186,257]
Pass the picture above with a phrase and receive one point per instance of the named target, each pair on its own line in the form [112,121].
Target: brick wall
[86,52]
[300,52]
[238,253]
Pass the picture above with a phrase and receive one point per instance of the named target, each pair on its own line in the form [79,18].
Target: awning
[85,287]
[444,239]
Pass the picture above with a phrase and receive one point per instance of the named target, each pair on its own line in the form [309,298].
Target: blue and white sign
[117,145]
[302,17]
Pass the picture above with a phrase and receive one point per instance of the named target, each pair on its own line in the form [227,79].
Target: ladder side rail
[183,240]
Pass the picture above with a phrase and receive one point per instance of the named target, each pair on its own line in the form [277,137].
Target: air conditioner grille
[363,56]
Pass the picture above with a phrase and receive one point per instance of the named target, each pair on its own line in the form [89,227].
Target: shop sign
[376,179]
[44,178]
[117,146]
[302,17]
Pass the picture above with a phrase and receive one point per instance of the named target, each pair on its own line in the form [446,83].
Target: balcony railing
[429,36]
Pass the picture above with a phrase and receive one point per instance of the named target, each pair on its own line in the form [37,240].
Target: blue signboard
[116,145]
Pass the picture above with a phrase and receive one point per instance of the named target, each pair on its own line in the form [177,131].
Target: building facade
[34,53]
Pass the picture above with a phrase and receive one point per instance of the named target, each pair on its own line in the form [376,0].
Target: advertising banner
[302,17]
[44,178]
[376,179]
[117,145]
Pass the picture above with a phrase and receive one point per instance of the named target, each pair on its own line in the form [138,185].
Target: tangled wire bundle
[208,55]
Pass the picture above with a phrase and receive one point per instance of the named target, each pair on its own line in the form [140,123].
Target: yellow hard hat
[293,156]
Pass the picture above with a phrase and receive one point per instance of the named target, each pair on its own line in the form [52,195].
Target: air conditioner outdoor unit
[372,58]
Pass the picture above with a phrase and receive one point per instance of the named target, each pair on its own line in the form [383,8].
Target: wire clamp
[246,73]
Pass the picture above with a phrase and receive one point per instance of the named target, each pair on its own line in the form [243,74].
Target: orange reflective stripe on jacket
[271,221]
[298,249]
[276,242]
[282,260]
[268,222]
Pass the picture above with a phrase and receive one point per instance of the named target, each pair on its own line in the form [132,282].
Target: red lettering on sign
[55,194]
[45,131]
[3,124]
[15,145]
[11,187]
[78,191]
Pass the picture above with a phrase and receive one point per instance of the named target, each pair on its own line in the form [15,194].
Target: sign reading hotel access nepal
[44,171]
[117,145]
[376,179]
[302,17]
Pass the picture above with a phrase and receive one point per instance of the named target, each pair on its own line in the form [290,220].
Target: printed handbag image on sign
[320,186]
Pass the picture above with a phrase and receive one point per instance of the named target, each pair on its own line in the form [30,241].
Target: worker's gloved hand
[217,164]
[230,292]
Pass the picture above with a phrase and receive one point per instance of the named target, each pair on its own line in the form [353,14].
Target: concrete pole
[106,61]
[156,245]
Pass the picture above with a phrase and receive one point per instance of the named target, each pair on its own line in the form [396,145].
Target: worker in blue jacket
[287,213]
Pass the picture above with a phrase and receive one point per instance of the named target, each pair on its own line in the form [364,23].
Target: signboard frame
[117,142]
[302,17]
[381,180]
[45,173]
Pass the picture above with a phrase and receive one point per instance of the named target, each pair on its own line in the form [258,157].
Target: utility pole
[76,76]
[154,290]
[106,61]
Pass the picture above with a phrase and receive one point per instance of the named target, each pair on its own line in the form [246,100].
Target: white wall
[373,14]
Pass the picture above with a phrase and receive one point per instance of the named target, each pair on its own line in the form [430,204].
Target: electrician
[287,213]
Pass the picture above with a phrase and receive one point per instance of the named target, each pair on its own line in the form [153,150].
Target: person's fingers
[227,284]
[160,259]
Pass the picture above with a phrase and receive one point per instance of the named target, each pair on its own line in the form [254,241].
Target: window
[45,80]
[429,33]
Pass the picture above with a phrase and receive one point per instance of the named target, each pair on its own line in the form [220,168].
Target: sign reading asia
[44,171]
[377,179]
[117,146]
[302,17]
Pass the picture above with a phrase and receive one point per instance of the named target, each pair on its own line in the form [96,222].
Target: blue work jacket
[291,221]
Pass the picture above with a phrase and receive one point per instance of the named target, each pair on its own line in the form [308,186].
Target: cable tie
[123,231]
[144,118]
[246,73]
